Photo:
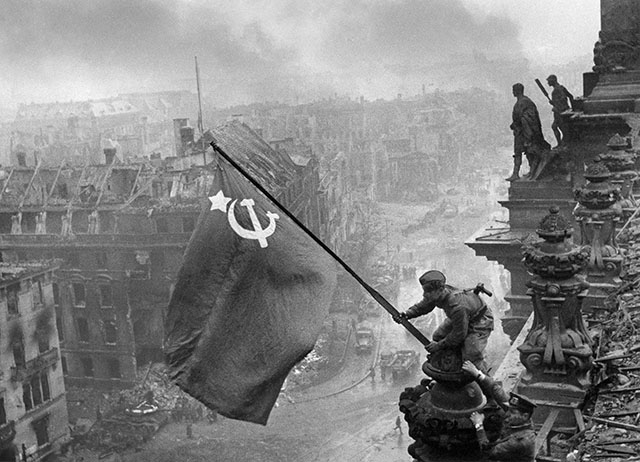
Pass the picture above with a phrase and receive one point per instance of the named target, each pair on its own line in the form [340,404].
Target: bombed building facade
[33,408]
[120,231]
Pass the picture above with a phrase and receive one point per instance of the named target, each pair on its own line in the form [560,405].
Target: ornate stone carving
[558,347]
[621,160]
[618,48]
[598,211]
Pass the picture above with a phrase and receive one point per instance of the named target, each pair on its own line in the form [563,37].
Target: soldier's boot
[516,170]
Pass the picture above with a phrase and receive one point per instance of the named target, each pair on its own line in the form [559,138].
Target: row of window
[84,334]
[78,295]
[88,370]
[162,225]
[36,391]
[18,348]
[12,293]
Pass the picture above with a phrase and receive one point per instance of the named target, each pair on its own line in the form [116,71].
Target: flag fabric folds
[249,301]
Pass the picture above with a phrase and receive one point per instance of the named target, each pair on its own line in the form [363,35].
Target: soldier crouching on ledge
[517,440]
[469,321]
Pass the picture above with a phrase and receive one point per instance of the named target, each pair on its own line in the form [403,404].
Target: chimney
[109,155]
[177,125]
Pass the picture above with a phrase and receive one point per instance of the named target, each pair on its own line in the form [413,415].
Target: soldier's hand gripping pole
[401,319]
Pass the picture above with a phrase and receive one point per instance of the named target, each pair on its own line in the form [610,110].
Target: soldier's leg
[442,331]
[517,162]
[556,126]
[473,349]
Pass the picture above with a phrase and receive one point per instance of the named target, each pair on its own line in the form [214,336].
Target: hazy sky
[277,49]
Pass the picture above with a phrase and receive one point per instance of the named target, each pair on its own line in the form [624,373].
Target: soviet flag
[249,301]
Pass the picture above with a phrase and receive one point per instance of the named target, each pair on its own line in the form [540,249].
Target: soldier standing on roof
[469,321]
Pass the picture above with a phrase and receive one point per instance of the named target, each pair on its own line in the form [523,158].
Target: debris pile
[127,418]
[614,433]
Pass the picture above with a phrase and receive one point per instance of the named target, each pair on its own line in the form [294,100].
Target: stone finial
[554,227]
[618,143]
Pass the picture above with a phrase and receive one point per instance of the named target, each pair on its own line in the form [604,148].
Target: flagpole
[373,292]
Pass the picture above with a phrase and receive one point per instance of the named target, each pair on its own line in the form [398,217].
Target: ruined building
[120,231]
[33,407]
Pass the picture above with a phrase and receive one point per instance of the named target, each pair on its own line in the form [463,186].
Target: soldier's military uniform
[517,442]
[469,321]
[517,445]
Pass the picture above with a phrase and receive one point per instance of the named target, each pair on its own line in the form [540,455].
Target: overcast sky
[256,50]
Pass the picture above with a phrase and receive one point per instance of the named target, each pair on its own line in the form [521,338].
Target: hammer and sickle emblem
[258,233]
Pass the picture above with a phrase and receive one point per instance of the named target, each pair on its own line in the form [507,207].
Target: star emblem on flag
[219,202]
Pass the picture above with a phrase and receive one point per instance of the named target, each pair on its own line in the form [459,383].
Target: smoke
[248,50]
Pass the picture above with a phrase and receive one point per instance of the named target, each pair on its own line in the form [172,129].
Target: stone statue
[66,224]
[561,101]
[16,223]
[41,223]
[527,133]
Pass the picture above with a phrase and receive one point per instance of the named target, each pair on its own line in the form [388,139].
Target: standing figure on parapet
[561,101]
[517,440]
[527,132]
[469,320]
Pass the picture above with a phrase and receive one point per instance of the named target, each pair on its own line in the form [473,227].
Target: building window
[101,259]
[26,397]
[79,297]
[18,354]
[3,412]
[110,334]
[12,298]
[106,296]
[60,328]
[114,368]
[36,391]
[188,224]
[83,329]
[65,369]
[56,293]
[40,428]
[46,391]
[87,367]
[162,226]
[36,290]
[43,340]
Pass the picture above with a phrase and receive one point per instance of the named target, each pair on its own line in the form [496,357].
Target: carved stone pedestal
[598,212]
[557,351]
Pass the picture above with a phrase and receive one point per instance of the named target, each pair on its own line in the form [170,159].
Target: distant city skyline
[258,50]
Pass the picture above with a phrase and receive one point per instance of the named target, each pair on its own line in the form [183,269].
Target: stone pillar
[598,212]
[557,351]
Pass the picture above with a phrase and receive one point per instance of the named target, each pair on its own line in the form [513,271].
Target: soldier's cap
[552,78]
[432,278]
[521,403]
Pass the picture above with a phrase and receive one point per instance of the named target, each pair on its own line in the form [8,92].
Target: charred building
[33,408]
[120,231]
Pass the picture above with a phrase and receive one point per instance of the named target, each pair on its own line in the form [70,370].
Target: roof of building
[49,111]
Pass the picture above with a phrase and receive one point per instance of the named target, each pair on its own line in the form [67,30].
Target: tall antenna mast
[200,124]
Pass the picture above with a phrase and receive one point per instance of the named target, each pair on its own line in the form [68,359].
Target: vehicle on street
[364,339]
[405,363]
